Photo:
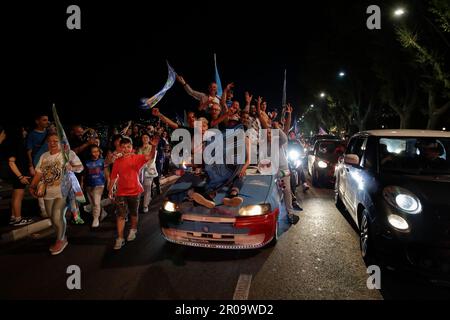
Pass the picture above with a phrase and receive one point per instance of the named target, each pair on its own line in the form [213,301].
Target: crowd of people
[128,162]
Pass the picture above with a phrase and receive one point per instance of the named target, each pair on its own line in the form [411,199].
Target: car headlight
[294,155]
[322,164]
[402,199]
[170,206]
[257,210]
[398,222]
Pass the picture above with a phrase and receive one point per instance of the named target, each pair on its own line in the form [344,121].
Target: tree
[435,80]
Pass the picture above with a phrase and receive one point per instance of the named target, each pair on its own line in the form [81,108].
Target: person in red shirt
[125,176]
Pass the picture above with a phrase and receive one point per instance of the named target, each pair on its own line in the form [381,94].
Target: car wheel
[337,198]
[365,238]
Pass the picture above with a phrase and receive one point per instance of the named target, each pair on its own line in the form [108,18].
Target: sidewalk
[11,233]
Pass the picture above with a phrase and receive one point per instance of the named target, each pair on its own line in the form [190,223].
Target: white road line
[243,287]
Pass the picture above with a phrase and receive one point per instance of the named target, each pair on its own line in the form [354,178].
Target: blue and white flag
[218,82]
[148,103]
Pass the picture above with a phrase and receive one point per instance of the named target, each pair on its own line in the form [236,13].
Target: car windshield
[331,148]
[415,155]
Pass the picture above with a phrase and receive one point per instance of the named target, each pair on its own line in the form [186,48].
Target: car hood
[254,191]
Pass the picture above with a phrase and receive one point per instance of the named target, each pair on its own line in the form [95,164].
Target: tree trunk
[432,122]
[434,113]
[405,120]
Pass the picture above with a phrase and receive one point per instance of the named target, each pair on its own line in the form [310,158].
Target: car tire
[366,242]
[337,198]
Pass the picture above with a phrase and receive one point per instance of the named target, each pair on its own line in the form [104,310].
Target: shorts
[127,204]
[16,184]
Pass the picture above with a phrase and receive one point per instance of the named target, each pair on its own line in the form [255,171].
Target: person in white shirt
[47,184]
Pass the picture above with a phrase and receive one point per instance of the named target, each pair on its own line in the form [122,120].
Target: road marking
[243,287]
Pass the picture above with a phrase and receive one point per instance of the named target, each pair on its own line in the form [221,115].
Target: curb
[25,231]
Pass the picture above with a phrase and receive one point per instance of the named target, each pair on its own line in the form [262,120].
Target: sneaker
[58,247]
[119,244]
[145,210]
[296,206]
[132,235]
[95,223]
[201,200]
[78,220]
[293,218]
[233,201]
[22,222]
[13,220]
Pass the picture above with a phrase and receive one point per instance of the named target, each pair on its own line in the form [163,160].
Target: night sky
[102,71]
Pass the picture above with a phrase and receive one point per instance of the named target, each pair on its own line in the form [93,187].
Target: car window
[357,146]
[414,155]
[370,157]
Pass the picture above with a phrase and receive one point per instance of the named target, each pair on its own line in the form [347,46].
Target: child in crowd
[125,174]
[94,180]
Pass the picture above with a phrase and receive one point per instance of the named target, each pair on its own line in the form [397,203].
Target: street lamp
[312,106]
[399,12]
[444,128]
[342,74]
[322,95]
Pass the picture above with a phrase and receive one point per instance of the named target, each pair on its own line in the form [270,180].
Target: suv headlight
[402,199]
[257,210]
[169,206]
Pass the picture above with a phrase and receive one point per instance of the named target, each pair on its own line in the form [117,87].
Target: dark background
[101,71]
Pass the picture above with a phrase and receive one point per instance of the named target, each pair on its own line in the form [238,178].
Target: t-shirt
[76,142]
[51,167]
[37,144]
[18,151]
[127,170]
[149,168]
[95,174]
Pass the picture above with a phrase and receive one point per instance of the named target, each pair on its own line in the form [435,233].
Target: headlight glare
[257,210]
[322,164]
[294,155]
[170,206]
[398,222]
[402,199]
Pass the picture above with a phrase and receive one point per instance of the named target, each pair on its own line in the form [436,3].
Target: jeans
[147,182]
[95,197]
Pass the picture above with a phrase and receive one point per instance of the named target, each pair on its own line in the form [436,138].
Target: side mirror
[351,159]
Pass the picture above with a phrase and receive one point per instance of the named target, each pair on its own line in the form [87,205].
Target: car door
[343,173]
[354,175]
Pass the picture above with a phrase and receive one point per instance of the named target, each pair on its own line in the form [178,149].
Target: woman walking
[48,184]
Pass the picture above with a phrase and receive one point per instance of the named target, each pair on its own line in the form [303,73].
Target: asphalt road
[316,259]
